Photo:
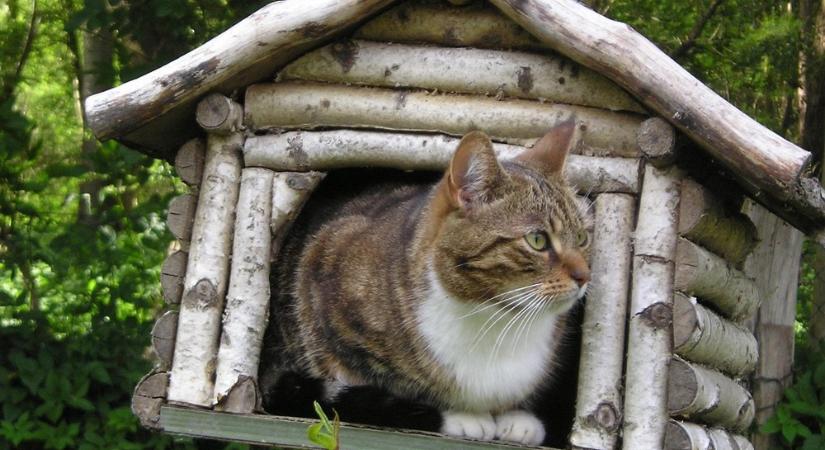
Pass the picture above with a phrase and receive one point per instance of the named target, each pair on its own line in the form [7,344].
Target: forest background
[82,234]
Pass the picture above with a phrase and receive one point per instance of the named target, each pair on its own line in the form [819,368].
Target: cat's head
[512,229]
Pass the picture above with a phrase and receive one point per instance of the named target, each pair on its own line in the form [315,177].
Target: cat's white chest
[496,358]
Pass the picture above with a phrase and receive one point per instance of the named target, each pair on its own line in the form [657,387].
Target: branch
[24,56]
[690,42]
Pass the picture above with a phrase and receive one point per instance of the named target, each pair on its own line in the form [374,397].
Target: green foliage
[800,418]
[325,433]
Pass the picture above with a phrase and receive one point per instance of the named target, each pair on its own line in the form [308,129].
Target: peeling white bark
[712,279]
[650,328]
[247,299]
[292,105]
[494,72]
[690,436]
[697,392]
[599,398]
[196,347]
[700,335]
[335,149]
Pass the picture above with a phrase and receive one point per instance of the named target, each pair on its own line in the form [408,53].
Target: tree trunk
[812,135]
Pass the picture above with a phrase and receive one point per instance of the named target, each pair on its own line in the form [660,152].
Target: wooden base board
[292,432]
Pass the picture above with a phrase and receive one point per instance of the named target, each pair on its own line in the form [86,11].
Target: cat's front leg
[469,425]
[519,426]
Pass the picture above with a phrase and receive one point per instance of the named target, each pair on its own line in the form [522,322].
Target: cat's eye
[583,238]
[537,240]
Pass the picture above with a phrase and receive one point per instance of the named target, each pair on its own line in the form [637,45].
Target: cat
[451,297]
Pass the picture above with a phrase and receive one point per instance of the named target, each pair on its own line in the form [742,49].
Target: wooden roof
[155,113]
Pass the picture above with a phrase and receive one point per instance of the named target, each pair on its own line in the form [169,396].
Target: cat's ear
[474,171]
[550,152]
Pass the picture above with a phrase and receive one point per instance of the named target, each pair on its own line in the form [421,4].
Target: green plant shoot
[325,433]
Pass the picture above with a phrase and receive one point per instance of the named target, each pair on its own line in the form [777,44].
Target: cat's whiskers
[496,317]
[546,300]
[535,310]
[513,320]
[484,305]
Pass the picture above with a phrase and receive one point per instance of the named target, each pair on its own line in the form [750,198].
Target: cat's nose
[580,275]
[577,268]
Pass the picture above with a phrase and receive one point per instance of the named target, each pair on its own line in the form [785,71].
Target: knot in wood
[605,416]
[657,315]
[203,295]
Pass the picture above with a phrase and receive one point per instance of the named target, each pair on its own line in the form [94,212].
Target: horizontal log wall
[335,149]
[293,105]
[702,336]
[712,279]
[497,73]
[695,392]
[690,436]
[706,221]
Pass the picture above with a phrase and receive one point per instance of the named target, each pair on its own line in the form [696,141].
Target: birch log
[744,146]
[690,436]
[712,279]
[702,336]
[163,338]
[311,105]
[204,287]
[599,399]
[289,193]
[148,397]
[477,25]
[649,330]
[247,299]
[705,220]
[272,35]
[218,114]
[172,274]
[189,161]
[335,149]
[697,392]
[498,73]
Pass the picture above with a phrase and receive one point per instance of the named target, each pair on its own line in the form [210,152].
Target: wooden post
[599,398]
[247,299]
[774,264]
[309,105]
[191,381]
[650,329]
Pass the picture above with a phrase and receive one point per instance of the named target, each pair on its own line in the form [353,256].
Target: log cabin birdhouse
[304,87]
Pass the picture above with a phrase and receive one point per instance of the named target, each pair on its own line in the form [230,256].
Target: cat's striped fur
[435,293]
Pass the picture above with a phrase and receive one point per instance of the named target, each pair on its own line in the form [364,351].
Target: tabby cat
[451,296]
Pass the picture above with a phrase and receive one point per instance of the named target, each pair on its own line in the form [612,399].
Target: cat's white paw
[519,426]
[469,425]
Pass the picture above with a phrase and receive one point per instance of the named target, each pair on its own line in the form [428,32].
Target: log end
[172,274]
[682,386]
[656,139]
[676,437]
[163,338]
[149,396]
[217,113]
[181,215]
[605,417]
[684,320]
[243,397]
[189,161]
